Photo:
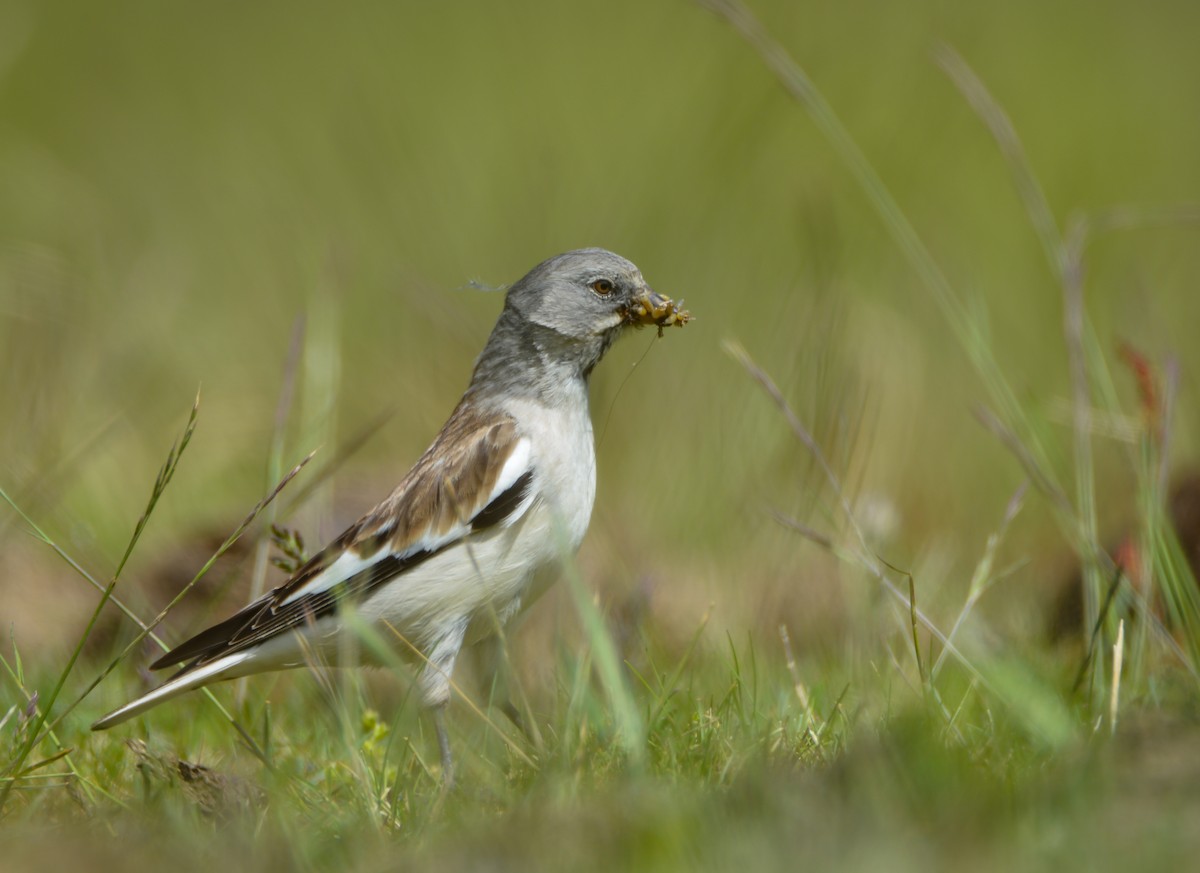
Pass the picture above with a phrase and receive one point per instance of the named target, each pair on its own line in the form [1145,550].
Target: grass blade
[160,484]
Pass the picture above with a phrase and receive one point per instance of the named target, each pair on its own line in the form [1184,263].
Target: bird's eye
[603,287]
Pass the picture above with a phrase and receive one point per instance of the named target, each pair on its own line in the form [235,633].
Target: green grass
[833,514]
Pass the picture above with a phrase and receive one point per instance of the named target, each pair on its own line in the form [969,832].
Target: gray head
[564,314]
[579,294]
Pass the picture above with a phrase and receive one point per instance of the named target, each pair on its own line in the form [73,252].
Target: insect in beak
[648,307]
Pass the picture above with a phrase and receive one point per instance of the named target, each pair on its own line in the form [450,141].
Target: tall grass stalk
[145,629]
[165,473]
[1065,255]
[1065,259]
[630,728]
[860,552]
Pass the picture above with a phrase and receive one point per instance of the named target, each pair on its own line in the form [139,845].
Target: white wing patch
[350,563]
[347,564]
[514,468]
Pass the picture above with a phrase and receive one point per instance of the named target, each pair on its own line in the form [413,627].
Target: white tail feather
[222,668]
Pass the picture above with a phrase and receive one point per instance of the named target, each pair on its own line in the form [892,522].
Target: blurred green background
[179,183]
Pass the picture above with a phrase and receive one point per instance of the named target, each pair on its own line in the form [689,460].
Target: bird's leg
[435,691]
[443,739]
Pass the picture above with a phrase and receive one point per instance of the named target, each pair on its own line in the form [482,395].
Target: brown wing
[476,475]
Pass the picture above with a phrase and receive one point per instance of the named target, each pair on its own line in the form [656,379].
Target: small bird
[505,491]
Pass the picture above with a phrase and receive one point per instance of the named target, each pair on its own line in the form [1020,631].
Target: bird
[468,538]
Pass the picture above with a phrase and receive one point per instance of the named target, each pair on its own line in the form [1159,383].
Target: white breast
[563,458]
[491,578]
